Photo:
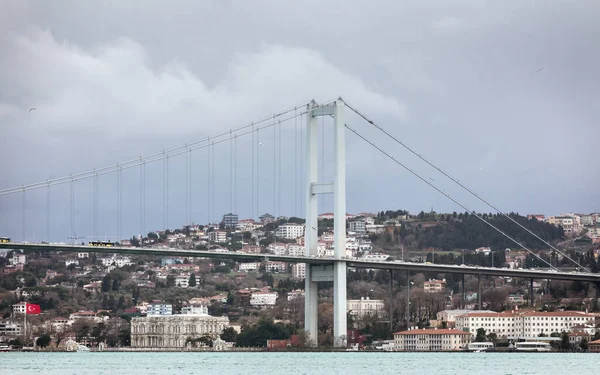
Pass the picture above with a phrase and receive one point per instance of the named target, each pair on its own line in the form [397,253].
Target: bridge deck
[351,262]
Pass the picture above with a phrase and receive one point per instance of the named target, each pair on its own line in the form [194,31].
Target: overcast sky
[502,94]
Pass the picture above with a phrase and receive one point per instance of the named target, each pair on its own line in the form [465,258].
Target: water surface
[262,363]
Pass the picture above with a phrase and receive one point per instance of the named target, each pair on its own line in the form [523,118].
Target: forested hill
[466,231]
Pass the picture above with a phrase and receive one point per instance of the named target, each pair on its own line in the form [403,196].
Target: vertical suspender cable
[24,230]
[279,171]
[143,198]
[302,208]
[258,172]
[212,182]
[95,205]
[295,211]
[252,168]
[187,182]
[119,203]
[167,191]
[72,223]
[230,172]
[274,169]
[235,173]
[190,189]
[48,213]
[164,192]
[208,182]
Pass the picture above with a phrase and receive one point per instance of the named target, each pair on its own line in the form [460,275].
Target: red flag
[31,309]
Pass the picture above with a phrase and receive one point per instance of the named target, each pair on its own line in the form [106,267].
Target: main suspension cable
[446,194]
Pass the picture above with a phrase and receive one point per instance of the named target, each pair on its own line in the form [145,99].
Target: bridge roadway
[351,262]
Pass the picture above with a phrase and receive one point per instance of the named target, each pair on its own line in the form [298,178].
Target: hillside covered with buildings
[150,302]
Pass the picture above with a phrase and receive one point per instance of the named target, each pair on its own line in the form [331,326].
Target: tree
[564,341]
[192,280]
[480,337]
[43,341]
[229,335]
[106,284]
[584,345]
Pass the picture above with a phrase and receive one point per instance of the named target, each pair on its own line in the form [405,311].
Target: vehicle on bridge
[103,243]
[4,239]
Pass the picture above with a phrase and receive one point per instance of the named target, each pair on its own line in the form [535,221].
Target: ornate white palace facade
[172,331]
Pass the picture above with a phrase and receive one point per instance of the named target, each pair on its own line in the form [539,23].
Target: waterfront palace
[172,331]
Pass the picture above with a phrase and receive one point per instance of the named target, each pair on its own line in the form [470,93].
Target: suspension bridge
[276,163]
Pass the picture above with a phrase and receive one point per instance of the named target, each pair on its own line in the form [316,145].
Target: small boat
[82,348]
[532,346]
[5,348]
[479,347]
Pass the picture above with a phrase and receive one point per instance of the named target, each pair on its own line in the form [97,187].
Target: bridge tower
[336,271]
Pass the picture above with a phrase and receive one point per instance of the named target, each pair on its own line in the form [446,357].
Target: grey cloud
[458,80]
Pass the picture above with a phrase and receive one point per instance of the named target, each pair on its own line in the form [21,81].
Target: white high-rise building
[290,231]
[299,271]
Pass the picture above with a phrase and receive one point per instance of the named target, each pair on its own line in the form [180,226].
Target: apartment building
[290,231]
[365,306]
[431,340]
[526,324]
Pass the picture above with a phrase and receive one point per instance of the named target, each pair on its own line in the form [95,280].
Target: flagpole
[25,325]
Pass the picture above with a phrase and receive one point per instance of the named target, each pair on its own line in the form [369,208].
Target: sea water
[265,363]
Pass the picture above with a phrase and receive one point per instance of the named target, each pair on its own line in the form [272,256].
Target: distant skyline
[503,96]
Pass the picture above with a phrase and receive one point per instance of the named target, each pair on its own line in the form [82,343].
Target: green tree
[564,341]
[229,334]
[192,280]
[106,283]
[480,337]
[125,337]
[584,345]
[43,341]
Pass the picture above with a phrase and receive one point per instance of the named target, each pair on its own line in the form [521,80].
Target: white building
[299,271]
[277,248]
[365,245]
[365,306]
[358,227]
[527,324]
[290,231]
[434,286]
[173,331]
[250,266]
[18,259]
[587,220]
[183,280]
[431,340]
[154,309]
[117,261]
[194,310]
[273,266]
[295,294]
[68,262]
[449,316]
[295,250]
[261,298]
[569,223]
[19,308]
[83,255]
[218,236]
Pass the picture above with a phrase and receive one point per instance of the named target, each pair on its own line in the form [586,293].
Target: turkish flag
[31,309]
